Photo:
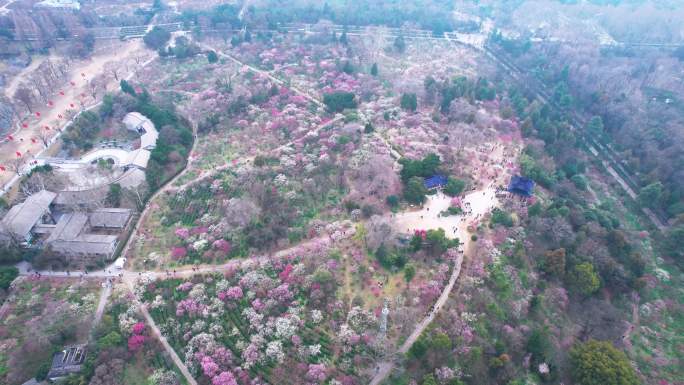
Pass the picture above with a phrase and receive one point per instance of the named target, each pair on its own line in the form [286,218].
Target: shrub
[409,102]
[110,340]
[585,279]
[7,275]
[157,38]
[554,262]
[389,258]
[42,371]
[415,191]
[501,217]
[599,363]
[424,168]
[419,348]
[212,57]
[339,101]
[409,272]
[454,187]
[392,201]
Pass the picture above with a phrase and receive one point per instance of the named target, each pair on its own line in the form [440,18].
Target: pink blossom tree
[135,342]
[317,372]
[225,378]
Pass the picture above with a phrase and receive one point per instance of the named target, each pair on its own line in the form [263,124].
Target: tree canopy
[157,38]
[415,191]
[339,101]
[409,102]
[600,363]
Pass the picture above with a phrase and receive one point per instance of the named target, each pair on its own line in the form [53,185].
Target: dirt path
[385,368]
[266,74]
[104,297]
[169,186]
[480,201]
[631,326]
[67,105]
[157,333]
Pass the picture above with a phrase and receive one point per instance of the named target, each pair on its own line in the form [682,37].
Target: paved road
[104,297]
[386,367]
[267,74]
[157,333]
[27,167]
[485,205]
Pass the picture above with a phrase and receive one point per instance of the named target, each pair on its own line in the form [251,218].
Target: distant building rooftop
[70,237]
[92,197]
[110,218]
[138,158]
[71,4]
[23,216]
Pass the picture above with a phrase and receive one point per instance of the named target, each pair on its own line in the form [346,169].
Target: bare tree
[114,69]
[38,84]
[96,85]
[137,195]
[44,137]
[15,165]
[24,95]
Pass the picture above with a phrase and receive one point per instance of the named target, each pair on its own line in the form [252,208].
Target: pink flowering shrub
[258,305]
[138,328]
[135,342]
[182,232]
[429,292]
[178,252]
[225,378]
[199,230]
[209,367]
[281,293]
[233,293]
[317,372]
[222,245]
[190,307]
[285,274]
[185,286]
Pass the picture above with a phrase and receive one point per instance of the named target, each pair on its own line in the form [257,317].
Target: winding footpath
[130,278]
[385,367]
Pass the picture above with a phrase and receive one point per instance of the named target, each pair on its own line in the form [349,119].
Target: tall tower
[383,319]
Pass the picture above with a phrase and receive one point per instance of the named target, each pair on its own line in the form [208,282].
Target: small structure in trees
[521,185]
[67,361]
[435,181]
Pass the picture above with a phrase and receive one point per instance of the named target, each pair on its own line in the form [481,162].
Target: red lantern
[18,154]
[10,137]
[2,168]
[71,105]
[38,114]
[25,125]
[33,140]
[61,93]
[50,103]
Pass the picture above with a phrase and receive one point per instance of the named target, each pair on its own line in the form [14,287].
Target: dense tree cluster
[157,38]
[428,14]
[339,101]
[599,363]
